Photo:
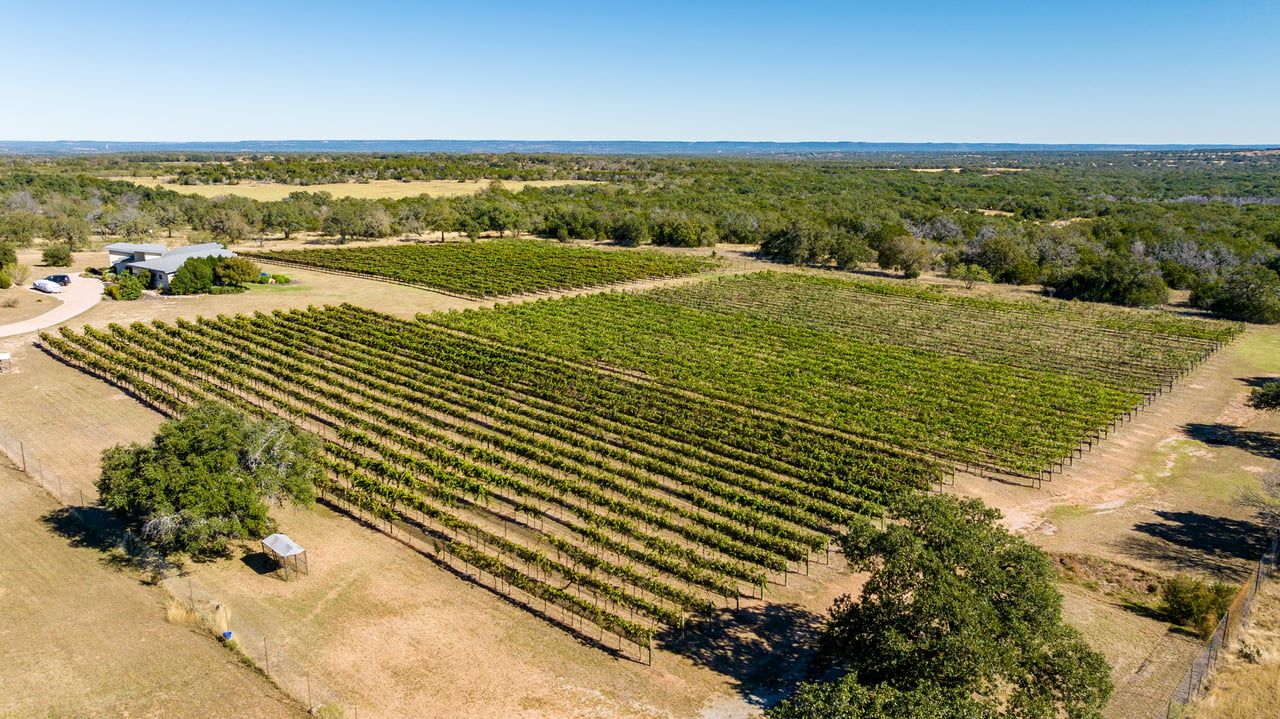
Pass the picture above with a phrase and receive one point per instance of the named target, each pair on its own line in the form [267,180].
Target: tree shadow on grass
[98,529]
[766,649]
[1263,444]
[260,562]
[1256,382]
[1191,541]
[82,527]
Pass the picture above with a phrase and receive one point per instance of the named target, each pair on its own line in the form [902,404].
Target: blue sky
[1086,71]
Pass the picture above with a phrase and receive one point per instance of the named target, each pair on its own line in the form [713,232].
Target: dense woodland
[1119,228]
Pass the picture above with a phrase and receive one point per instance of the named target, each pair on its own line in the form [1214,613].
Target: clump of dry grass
[1246,682]
[183,614]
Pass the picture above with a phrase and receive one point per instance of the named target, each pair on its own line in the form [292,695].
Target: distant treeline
[1112,227]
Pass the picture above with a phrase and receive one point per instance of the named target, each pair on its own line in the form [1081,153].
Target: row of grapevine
[623,504]
[1019,394]
[494,269]
[1124,349]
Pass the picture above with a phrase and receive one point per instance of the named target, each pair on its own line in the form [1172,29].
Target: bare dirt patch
[83,640]
[390,632]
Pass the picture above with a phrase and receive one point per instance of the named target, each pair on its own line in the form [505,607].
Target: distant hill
[587,147]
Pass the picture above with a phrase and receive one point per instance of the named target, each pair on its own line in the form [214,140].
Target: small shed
[287,554]
[6,362]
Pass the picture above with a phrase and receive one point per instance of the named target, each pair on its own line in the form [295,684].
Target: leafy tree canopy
[1250,293]
[57,254]
[845,698]
[206,479]
[237,271]
[970,274]
[1121,278]
[957,606]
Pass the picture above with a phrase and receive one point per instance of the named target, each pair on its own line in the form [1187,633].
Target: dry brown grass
[81,639]
[372,190]
[1246,682]
[20,303]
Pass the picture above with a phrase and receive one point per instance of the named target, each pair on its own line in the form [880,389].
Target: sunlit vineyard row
[495,269]
[622,501]
[1006,386]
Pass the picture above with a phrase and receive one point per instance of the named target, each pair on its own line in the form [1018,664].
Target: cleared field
[494,269]
[371,190]
[83,640]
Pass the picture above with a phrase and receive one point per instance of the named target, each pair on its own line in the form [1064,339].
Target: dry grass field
[22,303]
[83,640]
[383,631]
[1247,684]
[371,190]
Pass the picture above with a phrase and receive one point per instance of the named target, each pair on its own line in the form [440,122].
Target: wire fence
[25,456]
[266,652]
[1233,622]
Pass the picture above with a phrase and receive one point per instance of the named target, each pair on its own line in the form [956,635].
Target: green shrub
[17,273]
[127,287]
[236,271]
[194,277]
[1266,397]
[57,255]
[281,279]
[1195,603]
[5,282]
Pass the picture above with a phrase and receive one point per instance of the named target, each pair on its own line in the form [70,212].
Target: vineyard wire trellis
[1194,682]
[726,267]
[279,668]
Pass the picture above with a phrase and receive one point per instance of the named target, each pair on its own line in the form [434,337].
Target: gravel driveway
[80,295]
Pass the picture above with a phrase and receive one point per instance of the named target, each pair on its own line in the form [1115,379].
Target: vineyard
[1015,388]
[1119,348]
[630,460]
[494,269]
[623,503]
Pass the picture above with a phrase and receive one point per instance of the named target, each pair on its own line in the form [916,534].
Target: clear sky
[1082,71]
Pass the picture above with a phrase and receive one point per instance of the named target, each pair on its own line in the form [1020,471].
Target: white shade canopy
[282,545]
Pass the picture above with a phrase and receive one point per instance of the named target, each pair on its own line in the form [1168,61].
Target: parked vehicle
[49,286]
[63,280]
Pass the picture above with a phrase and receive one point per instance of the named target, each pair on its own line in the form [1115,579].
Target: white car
[49,286]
